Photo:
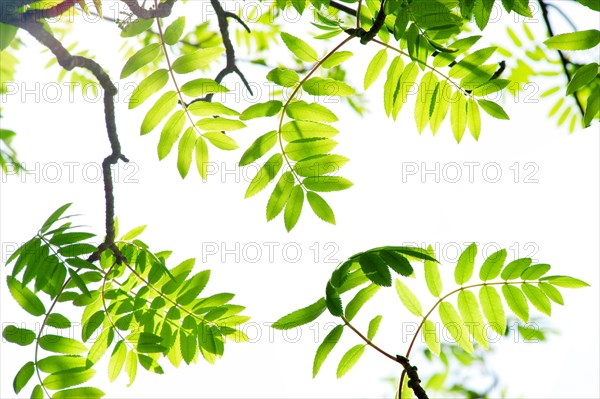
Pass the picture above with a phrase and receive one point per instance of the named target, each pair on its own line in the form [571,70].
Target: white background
[551,216]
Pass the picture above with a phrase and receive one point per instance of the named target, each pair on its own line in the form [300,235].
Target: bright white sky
[547,211]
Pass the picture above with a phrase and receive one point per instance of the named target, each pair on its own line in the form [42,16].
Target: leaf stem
[440,300]
[368,341]
[291,97]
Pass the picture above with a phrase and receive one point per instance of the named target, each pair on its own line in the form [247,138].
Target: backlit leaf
[326,347]
[301,316]
[349,359]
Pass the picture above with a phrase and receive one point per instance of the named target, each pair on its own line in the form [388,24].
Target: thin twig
[564,61]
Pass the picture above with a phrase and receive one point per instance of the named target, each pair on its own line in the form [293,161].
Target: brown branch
[343,8]
[414,382]
[163,9]
[230,66]
[68,62]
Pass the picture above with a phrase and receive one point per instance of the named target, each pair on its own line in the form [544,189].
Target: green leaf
[455,326]
[473,118]
[397,262]
[392,85]
[260,110]
[77,249]
[79,282]
[410,301]
[301,316]
[440,105]
[349,359]
[373,327]
[7,34]
[565,281]
[54,217]
[58,344]
[471,314]
[150,364]
[170,133]
[423,106]
[69,238]
[101,344]
[514,269]
[220,123]
[319,165]
[326,347]
[265,174]
[552,292]
[375,269]
[68,378]
[24,297]
[283,77]
[333,301]
[430,336]
[407,80]
[293,207]
[136,27]
[174,31]
[336,59]
[492,265]
[359,300]
[304,148]
[203,108]
[582,40]
[37,393]
[54,364]
[432,275]
[23,376]
[221,141]
[516,301]
[201,87]
[133,233]
[58,321]
[147,87]
[537,298]
[131,366]
[201,151]
[199,59]
[193,287]
[465,265]
[534,272]
[458,115]
[471,62]
[326,183]
[301,110]
[582,77]
[92,324]
[493,109]
[185,150]
[188,345]
[19,336]
[375,67]
[280,195]
[117,360]
[140,59]
[491,304]
[299,48]
[79,393]
[327,87]
[320,207]
[259,147]
[297,130]
[490,87]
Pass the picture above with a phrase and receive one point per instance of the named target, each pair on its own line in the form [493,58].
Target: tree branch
[564,61]
[163,9]
[343,8]
[230,66]
[414,382]
[68,62]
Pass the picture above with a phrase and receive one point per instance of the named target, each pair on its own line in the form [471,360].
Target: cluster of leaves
[522,284]
[131,302]
[182,125]
[584,84]
[8,68]
[454,368]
